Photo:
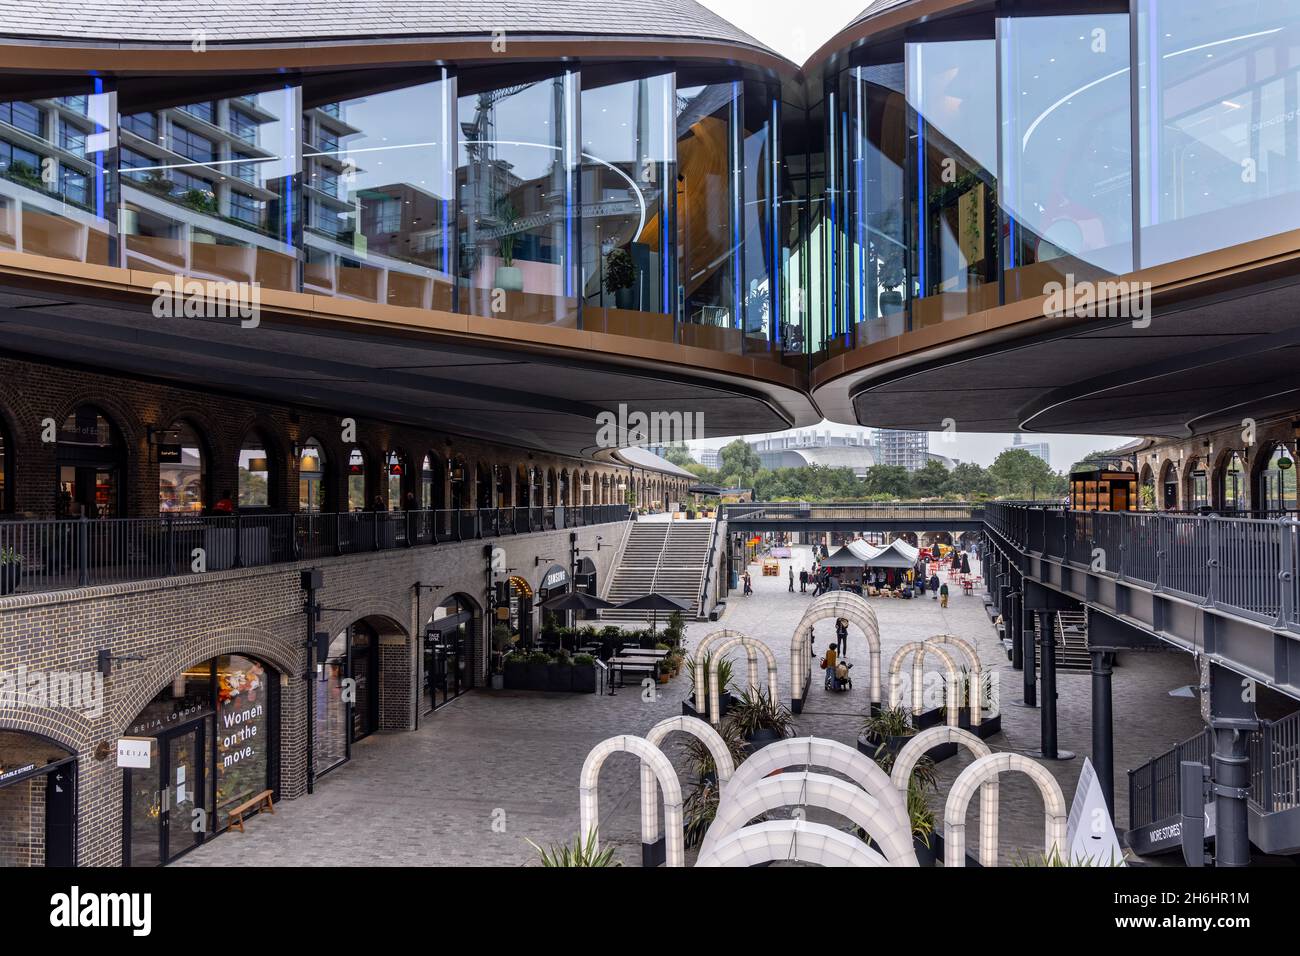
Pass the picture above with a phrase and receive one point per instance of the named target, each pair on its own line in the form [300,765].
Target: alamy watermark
[1107,299]
[73,690]
[182,298]
[623,429]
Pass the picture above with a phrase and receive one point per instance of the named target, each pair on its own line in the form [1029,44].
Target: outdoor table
[649,665]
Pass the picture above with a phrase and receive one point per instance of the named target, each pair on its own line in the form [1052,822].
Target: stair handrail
[708,563]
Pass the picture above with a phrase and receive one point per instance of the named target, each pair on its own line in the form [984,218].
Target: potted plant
[515,670]
[559,672]
[539,671]
[582,853]
[885,732]
[620,278]
[725,697]
[508,276]
[926,839]
[673,631]
[11,570]
[501,641]
[759,719]
[584,674]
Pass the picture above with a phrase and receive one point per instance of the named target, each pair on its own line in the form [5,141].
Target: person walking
[842,636]
[803,581]
[943,595]
[934,586]
[828,665]
[749,584]
[792,579]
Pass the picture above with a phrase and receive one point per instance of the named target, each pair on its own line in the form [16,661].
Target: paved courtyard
[495,769]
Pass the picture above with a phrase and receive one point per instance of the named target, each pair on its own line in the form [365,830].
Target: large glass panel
[877,186]
[311,477]
[709,215]
[628,171]
[331,711]
[254,473]
[181,471]
[356,480]
[56,175]
[1066,176]
[213,197]
[758,254]
[377,197]
[1220,154]
[1277,482]
[243,741]
[518,202]
[952,90]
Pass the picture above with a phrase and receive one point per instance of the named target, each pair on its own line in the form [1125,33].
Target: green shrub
[539,657]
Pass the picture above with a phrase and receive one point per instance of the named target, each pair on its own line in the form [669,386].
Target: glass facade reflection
[930,175]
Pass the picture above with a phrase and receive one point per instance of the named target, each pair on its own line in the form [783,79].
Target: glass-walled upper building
[913,173]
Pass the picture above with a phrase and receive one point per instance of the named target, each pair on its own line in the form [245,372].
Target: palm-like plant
[582,853]
[757,711]
[889,722]
[724,673]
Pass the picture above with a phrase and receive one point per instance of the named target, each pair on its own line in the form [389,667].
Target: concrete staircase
[664,557]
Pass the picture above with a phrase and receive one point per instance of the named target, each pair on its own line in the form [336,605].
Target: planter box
[893,745]
[988,727]
[724,704]
[761,739]
[559,677]
[516,676]
[584,678]
[537,676]
[10,576]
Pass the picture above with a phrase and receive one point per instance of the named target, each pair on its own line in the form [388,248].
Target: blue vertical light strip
[292,120]
[859,279]
[737,207]
[448,185]
[1153,112]
[668,193]
[774,224]
[845,263]
[1010,77]
[101,211]
[570,186]
[829,267]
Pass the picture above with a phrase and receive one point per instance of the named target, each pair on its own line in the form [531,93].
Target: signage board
[555,577]
[135,752]
[1090,833]
[169,454]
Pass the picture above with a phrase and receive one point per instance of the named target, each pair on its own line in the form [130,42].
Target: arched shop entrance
[91,461]
[38,801]
[554,583]
[448,636]
[209,744]
[585,581]
[349,688]
[515,608]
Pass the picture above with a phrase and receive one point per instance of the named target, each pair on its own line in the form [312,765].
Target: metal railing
[49,555]
[1274,752]
[873,511]
[1243,565]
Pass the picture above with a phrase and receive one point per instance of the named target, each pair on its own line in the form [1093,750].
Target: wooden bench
[261,801]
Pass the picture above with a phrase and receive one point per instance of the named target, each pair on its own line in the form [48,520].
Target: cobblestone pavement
[495,769]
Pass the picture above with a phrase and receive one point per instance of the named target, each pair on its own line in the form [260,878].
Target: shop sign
[169,454]
[135,752]
[556,577]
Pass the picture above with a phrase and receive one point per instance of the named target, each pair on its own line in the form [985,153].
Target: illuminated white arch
[976,775]
[976,701]
[652,756]
[917,747]
[814,790]
[702,650]
[751,646]
[656,736]
[834,604]
[920,649]
[791,840]
[828,754]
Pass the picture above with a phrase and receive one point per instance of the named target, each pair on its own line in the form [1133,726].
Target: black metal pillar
[1103,731]
[1231,716]
[1015,628]
[1030,682]
[1047,713]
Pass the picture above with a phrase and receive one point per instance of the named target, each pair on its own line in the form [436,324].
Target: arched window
[1277,481]
[91,459]
[486,488]
[523,486]
[564,488]
[311,477]
[1232,484]
[182,471]
[552,488]
[459,480]
[1198,485]
[356,480]
[396,471]
[501,474]
[254,473]
[1168,493]
[6,481]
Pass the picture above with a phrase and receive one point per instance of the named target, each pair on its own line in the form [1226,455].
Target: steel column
[1103,731]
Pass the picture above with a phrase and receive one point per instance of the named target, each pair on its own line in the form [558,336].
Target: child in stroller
[837,670]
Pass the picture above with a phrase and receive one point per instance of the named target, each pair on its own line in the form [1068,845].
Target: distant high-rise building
[909,449]
[708,457]
[1039,449]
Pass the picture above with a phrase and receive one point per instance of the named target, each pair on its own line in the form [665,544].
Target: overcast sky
[798,38]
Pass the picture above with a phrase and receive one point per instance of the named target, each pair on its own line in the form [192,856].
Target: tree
[1018,474]
[931,480]
[892,481]
[969,480]
[679,455]
[739,463]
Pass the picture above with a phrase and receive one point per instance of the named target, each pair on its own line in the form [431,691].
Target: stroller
[839,679]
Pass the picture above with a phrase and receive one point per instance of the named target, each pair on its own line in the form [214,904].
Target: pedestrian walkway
[496,768]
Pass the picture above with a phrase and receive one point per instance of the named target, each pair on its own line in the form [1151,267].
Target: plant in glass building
[26,174]
[582,853]
[200,200]
[620,271]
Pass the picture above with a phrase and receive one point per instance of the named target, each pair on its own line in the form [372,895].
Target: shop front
[346,706]
[514,608]
[447,639]
[205,744]
[38,801]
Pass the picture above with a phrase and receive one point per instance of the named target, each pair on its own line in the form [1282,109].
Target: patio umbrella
[575,601]
[654,603]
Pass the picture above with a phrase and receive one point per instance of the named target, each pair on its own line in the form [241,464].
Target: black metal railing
[49,555]
[1243,565]
[848,511]
[1153,787]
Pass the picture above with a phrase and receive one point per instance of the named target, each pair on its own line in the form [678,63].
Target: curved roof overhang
[1221,345]
[536,386]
